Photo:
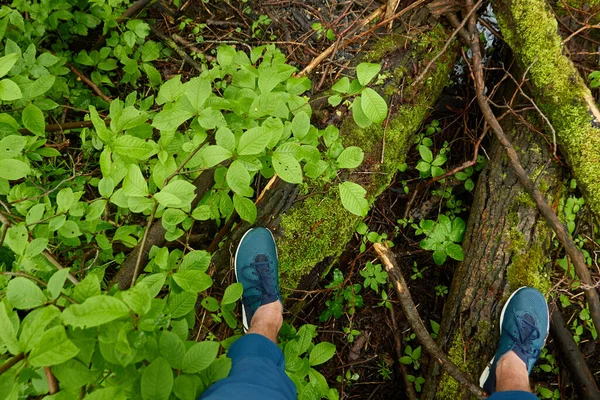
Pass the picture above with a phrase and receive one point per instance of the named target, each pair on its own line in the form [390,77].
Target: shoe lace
[527,333]
[263,283]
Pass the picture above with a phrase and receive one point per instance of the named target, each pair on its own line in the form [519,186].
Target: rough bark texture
[531,30]
[506,246]
[319,226]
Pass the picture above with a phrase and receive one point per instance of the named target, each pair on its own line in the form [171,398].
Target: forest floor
[366,363]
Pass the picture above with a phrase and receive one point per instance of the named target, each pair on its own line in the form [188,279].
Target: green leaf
[305,337]
[224,137]
[353,198]
[176,194]
[8,333]
[193,280]
[197,90]
[185,386]
[455,251]
[109,393]
[135,184]
[172,348]
[35,324]
[157,380]
[39,86]
[232,294]
[407,360]
[351,157]
[202,213]
[365,72]
[425,153]
[373,105]
[70,230]
[244,207]
[170,91]
[238,179]
[9,91]
[23,294]
[301,125]
[7,62]
[358,115]
[73,374]
[253,141]
[200,356]
[54,348]
[12,146]
[181,304]
[36,246]
[34,120]
[334,100]
[64,200]
[342,86]
[321,353]
[56,283]
[11,169]
[287,167]
[131,146]
[94,311]
[138,299]
[17,238]
[171,119]
[225,55]
[213,155]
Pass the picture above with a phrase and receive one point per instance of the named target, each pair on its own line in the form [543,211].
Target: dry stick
[410,390]
[138,261]
[52,384]
[88,82]
[65,126]
[412,316]
[443,50]
[9,364]
[169,42]
[544,208]
[389,11]
[130,12]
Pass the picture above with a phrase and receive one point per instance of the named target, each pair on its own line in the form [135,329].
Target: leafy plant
[443,237]
[323,31]
[417,381]
[411,357]
[417,272]
[594,78]
[345,299]
[546,393]
[371,236]
[374,276]
[430,166]
[384,370]
[351,334]
[349,378]
[441,290]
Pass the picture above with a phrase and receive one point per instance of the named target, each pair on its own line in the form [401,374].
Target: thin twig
[138,261]
[544,208]
[10,363]
[412,316]
[52,384]
[410,390]
[169,42]
[88,82]
[66,126]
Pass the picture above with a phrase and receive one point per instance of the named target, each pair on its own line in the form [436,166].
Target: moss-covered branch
[531,30]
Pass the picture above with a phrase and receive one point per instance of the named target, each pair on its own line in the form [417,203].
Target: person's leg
[524,325]
[258,366]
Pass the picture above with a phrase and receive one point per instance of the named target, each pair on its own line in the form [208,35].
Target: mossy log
[311,227]
[531,30]
[506,246]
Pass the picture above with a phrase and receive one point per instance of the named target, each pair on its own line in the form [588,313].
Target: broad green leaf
[54,348]
[202,213]
[305,336]
[365,72]
[36,246]
[351,157]
[73,374]
[131,146]
[253,141]
[9,91]
[197,90]
[185,386]
[176,194]
[425,153]
[138,299]
[455,251]
[342,86]
[232,294]
[172,348]
[198,260]
[135,184]
[315,169]
[56,283]
[224,137]
[321,353]
[8,333]
[12,146]
[193,280]
[7,62]
[39,86]
[170,91]
[301,125]
[287,167]
[225,55]
[181,304]
[24,294]
[245,208]
[105,134]
[11,169]
[109,393]
[373,105]
[298,86]
[88,287]
[358,115]
[34,120]
[64,200]
[154,283]
[213,155]
[34,325]
[173,216]
[171,119]
[70,230]
[157,380]
[94,311]
[238,179]
[17,238]
[200,356]
[353,198]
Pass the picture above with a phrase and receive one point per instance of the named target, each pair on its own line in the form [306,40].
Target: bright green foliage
[374,276]
[443,237]
[345,299]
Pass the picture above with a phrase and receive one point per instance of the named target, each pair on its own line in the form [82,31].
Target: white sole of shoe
[486,372]
[244,319]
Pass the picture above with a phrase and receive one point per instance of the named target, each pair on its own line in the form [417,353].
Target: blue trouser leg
[513,395]
[257,372]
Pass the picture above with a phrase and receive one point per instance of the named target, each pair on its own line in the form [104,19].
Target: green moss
[531,29]
[524,199]
[385,45]
[448,387]
[528,264]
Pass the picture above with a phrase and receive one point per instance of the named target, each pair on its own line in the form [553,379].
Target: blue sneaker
[524,325]
[256,268]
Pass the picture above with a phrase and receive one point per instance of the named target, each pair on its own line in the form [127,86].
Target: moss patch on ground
[528,264]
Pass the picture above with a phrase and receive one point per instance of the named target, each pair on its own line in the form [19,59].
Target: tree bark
[506,246]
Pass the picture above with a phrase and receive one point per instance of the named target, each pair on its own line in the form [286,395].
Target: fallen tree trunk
[530,29]
[506,246]
[319,226]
